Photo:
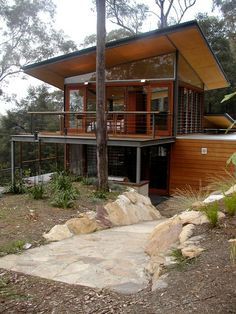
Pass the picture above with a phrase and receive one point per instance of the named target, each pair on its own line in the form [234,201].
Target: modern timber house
[155,85]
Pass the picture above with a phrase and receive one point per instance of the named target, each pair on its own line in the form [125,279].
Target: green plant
[180,260]
[37,191]
[211,211]
[230,204]
[6,290]
[12,247]
[89,181]
[116,187]
[18,187]
[100,194]
[64,193]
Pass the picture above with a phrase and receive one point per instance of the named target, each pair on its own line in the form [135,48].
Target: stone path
[112,258]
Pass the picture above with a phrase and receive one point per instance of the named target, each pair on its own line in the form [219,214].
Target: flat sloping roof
[187,38]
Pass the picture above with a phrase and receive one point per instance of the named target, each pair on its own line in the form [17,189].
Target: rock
[213,198]
[102,218]
[164,236]
[131,208]
[186,233]
[197,205]
[159,282]
[85,224]
[193,217]
[57,233]
[191,251]
[231,190]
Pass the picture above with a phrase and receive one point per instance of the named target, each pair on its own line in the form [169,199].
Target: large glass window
[186,74]
[160,104]
[158,67]
[76,104]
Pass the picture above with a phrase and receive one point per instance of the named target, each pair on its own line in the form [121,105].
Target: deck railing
[119,123]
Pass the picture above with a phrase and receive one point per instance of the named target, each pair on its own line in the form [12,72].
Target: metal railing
[119,123]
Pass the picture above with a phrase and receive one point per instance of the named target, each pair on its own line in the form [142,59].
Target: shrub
[100,194]
[37,191]
[230,204]
[18,187]
[211,211]
[64,193]
[89,181]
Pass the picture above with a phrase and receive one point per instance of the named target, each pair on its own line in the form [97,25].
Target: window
[76,104]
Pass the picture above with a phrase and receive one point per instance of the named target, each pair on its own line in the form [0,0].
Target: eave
[187,38]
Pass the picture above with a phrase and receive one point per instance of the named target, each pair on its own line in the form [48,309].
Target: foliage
[12,247]
[211,211]
[18,186]
[230,204]
[172,9]
[231,160]
[100,194]
[229,96]
[27,34]
[64,193]
[89,181]
[221,182]
[116,187]
[181,261]
[37,191]
[185,197]
[219,36]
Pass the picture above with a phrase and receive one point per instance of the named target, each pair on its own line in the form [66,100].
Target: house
[155,85]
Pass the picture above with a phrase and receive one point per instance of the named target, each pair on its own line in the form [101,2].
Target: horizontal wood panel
[190,167]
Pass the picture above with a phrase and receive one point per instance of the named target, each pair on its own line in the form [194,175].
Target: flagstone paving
[112,258]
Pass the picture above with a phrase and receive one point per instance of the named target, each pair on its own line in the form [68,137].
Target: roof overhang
[187,38]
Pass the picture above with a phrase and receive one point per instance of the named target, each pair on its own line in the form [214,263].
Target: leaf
[229,96]
[231,160]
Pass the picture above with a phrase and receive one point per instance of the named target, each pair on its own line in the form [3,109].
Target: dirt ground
[206,285]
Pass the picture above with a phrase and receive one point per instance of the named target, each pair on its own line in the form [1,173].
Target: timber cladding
[189,166]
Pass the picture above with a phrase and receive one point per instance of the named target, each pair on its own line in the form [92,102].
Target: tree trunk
[101,129]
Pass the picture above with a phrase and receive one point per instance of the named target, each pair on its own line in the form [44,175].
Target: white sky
[77,20]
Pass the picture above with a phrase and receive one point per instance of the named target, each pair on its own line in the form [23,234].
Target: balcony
[127,124]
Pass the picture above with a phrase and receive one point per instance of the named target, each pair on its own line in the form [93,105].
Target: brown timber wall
[189,166]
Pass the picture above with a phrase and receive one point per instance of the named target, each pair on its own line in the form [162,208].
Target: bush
[100,195]
[18,187]
[89,181]
[64,193]
[12,247]
[230,204]
[211,211]
[37,191]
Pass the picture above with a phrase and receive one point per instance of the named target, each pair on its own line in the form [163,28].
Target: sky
[77,20]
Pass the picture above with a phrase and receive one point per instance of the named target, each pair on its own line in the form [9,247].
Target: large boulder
[58,233]
[131,208]
[164,236]
[191,251]
[86,223]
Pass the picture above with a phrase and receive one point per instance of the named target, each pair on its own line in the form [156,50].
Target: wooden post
[101,119]
[39,157]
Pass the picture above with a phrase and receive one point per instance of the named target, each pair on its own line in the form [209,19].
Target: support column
[39,157]
[12,162]
[138,165]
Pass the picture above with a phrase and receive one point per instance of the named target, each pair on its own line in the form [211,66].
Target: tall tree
[174,9]
[101,130]
[217,34]
[27,35]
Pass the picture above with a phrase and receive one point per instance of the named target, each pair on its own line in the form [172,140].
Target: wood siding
[189,167]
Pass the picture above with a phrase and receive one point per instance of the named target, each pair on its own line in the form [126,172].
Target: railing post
[138,165]
[31,123]
[12,162]
[153,124]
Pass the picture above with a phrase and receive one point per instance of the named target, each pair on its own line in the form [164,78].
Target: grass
[7,292]
[12,247]
[221,183]
[180,261]
[230,204]
[185,197]
[211,211]
[37,191]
